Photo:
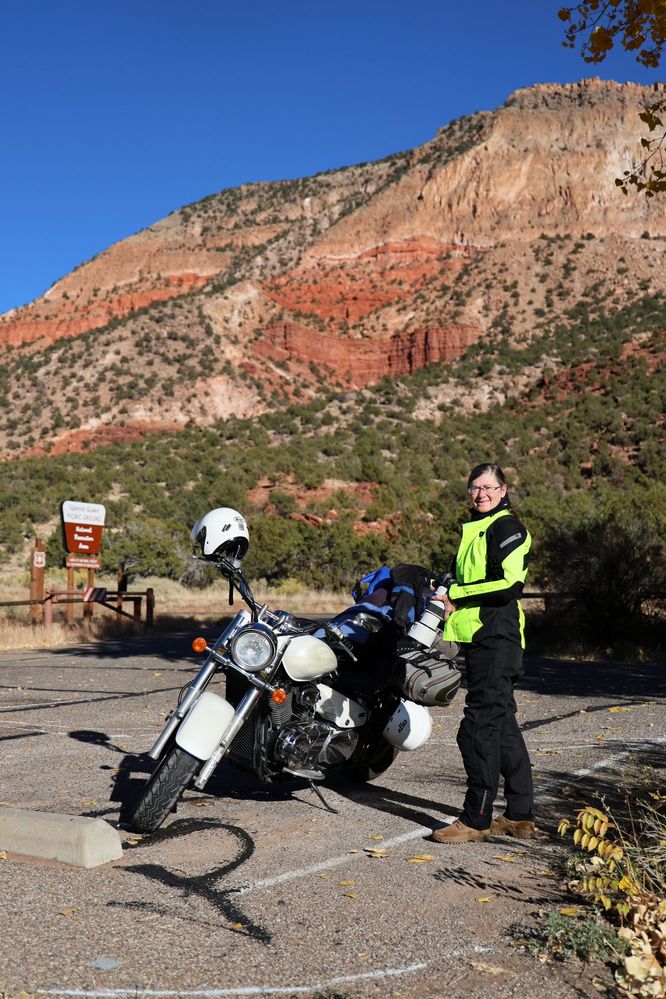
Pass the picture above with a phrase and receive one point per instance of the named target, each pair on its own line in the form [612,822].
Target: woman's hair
[482,469]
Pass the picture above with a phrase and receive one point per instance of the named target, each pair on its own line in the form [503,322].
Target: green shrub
[608,563]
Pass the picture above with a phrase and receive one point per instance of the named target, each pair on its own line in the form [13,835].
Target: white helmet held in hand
[221,533]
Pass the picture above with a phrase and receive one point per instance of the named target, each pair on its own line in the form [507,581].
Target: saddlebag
[429,678]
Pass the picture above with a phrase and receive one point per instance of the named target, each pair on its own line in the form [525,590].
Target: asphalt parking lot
[258,890]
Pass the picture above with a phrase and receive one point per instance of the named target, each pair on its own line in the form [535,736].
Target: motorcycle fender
[341,710]
[202,728]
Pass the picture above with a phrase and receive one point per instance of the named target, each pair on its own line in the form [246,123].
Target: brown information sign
[83,562]
[83,523]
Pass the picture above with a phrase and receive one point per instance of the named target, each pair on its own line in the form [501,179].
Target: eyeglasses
[488,490]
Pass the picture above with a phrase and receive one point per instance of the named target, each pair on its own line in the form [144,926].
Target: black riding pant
[489,738]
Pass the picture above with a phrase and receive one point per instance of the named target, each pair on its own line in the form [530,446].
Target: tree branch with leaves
[638,26]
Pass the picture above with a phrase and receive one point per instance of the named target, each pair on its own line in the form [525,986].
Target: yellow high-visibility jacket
[490,569]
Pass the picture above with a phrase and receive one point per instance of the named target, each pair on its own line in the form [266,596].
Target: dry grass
[176,607]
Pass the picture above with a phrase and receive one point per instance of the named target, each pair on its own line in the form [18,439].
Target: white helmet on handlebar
[221,533]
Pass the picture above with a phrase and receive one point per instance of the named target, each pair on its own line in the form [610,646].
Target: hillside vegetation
[351,479]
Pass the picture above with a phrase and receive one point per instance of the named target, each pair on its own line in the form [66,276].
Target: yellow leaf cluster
[643,972]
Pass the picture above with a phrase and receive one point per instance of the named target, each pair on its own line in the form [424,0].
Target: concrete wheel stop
[71,839]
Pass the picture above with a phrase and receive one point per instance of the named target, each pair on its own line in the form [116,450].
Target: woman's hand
[444,599]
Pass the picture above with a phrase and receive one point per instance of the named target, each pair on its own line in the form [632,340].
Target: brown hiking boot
[521,829]
[458,832]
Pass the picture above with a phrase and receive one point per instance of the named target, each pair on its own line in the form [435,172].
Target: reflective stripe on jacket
[491,566]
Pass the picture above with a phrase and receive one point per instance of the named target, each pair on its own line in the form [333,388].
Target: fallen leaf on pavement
[483,900]
[617,708]
[350,894]
[3,854]
[346,884]
[505,857]
[376,851]
[377,838]
[488,969]
[67,912]
[420,858]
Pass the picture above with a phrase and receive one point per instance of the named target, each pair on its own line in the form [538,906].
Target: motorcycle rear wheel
[373,765]
[162,792]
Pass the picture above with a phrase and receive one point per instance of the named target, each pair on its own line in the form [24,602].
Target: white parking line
[262,990]
[635,747]
[326,865]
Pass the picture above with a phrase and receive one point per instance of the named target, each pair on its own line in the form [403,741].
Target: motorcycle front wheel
[162,792]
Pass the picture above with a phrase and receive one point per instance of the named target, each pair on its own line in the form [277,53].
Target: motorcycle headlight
[253,648]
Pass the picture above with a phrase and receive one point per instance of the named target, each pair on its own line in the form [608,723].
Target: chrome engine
[314,744]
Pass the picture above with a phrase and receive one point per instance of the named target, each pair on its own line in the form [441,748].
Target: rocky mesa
[269,292]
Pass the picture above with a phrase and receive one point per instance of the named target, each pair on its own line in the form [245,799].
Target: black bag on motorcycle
[429,678]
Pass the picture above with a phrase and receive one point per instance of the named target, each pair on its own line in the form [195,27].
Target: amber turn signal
[279,696]
[199,644]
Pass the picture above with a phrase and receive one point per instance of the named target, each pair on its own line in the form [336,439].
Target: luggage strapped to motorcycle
[399,593]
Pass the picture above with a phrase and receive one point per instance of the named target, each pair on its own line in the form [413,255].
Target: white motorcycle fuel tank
[205,723]
[307,658]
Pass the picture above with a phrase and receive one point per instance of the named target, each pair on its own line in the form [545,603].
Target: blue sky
[115,113]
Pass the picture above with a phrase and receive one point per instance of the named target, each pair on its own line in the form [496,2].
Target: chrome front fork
[199,684]
[243,711]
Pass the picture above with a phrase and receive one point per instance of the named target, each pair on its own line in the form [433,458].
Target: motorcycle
[303,699]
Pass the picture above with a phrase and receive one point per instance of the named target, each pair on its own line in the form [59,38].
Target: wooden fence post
[150,607]
[121,588]
[69,607]
[48,612]
[88,606]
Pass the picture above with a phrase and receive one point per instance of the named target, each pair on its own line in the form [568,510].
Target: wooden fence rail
[44,607]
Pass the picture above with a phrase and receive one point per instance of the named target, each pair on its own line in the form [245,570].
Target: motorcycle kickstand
[321,797]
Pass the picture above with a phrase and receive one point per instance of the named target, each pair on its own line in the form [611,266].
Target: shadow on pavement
[569,677]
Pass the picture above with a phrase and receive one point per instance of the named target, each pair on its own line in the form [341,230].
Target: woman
[485,616]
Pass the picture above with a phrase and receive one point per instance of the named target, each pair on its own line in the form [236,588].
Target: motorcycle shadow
[237,785]
[411,807]
[226,782]
[230,782]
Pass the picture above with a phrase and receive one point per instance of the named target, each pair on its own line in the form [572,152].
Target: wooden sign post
[37,567]
[83,525]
